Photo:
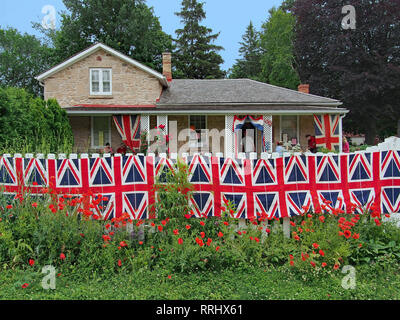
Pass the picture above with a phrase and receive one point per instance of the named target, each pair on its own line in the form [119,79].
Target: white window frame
[198,144]
[298,127]
[92,132]
[101,92]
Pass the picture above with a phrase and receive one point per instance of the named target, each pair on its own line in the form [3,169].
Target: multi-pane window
[197,123]
[289,129]
[101,131]
[100,82]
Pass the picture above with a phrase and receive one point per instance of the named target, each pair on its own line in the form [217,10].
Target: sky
[229,17]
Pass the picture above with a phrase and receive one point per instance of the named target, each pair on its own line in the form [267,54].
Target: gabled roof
[240,92]
[98,46]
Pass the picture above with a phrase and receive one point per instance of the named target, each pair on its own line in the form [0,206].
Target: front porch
[199,133]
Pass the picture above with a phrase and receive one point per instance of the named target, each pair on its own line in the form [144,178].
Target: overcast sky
[229,17]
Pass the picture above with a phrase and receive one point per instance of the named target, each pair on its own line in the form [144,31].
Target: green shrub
[29,124]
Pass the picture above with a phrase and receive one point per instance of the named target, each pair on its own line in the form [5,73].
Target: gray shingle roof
[236,91]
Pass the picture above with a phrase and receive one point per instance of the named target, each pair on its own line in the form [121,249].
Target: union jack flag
[281,187]
[128,127]
[327,131]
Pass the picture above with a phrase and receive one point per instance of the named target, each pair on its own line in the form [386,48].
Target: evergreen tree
[250,51]
[196,56]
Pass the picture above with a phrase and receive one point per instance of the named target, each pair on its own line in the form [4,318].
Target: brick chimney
[305,88]
[167,68]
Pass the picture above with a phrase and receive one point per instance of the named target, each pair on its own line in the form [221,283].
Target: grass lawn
[252,284]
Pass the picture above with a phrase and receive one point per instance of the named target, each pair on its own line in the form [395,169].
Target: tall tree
[359,66]
[128,26]
[196,57]
[22,57]
[277,62]
[250,51]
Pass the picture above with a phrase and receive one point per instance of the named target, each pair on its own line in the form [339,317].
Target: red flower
[9,206]
[347,234]
[312,263]
[176,232]
[160,228]
[209,240]
[268,230]
[163,222]
[140,242]
[292,224]
[31,262]
[291,263]
[356,235]
[34,205]
[321,253]
[321,218]
[180,241]
[226,223]
[169,276]
[315,245]
[188,216]
[217,248]
[108,226]
[123,244]
[119,263]
[297,238]
[336,266]
[202,234]
[24,285]
[323,264]
[220,234]
[291,257]
[62,256]
[187,227]
[256,239]
[377,222]
[161,126]
[202,223]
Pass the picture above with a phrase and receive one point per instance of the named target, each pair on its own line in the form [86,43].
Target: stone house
[99,84]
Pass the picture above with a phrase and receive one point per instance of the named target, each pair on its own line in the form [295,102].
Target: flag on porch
[238,123]
[128,127]
[327,131]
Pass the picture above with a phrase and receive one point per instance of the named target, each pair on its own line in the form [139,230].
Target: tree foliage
[196,57]
[22,58]
[128,26]
[277,62]
[360,66]
[31,124]
[248,66]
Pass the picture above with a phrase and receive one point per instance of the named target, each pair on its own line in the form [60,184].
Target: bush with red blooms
[68,230]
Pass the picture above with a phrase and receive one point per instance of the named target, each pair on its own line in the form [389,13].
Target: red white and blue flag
[280,187]
[327,131]
[128,127]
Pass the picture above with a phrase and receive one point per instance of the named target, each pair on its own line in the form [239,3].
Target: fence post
[286,227]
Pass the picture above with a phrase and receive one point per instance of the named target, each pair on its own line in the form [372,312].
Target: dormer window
[100,81]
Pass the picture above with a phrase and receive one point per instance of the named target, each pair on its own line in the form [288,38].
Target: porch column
[163,120]
[229,147]
[145,126]
[267,132]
